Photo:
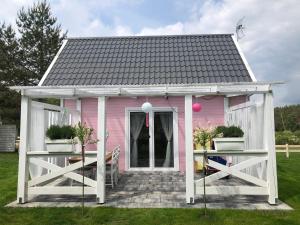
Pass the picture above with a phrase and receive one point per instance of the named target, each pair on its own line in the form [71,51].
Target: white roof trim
[130,91]
[52,63]
[244,59]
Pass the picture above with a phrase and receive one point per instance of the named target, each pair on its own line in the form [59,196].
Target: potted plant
[231,138]
[60,138]
[84,135]
[202,138]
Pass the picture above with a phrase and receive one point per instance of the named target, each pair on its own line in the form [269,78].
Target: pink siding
[237,100]
[89,115]
[70,104]
[212,114]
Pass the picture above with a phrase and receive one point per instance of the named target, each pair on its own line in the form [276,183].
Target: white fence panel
[249,117]
[42,117]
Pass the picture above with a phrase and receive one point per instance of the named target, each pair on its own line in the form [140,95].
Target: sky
[272,28]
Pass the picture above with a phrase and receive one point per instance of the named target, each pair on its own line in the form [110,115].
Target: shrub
[67,132]
[231,131]
[287,137]
[297,133]
[57,132]
[202,136]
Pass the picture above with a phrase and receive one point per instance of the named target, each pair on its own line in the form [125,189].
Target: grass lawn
[289,192]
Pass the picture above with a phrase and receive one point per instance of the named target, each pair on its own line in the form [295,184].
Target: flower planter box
[228,144]
[60,145]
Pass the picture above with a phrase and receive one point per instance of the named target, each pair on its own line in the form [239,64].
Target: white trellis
[263,153]
[250,118]
[256,164]
[42,117]
[38,173]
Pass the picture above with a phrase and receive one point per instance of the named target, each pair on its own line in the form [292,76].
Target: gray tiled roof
[180,59]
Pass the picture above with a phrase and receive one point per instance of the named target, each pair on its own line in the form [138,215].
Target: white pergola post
[101,150]
[189,155]
[78,108]
[269,145]
[22,195]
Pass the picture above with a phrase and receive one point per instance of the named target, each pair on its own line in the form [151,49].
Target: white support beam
[78,108]
[101,148]
[238,167]
[226,108]
[61,102]
[22,194]
[58,173]
[52,190]
[269,145]
[54,168]
[189,155]
[145,90]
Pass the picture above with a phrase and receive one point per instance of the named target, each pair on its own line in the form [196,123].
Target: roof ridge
[149,36]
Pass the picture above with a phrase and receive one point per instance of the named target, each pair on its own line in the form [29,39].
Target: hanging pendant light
[197,107]
[147,107]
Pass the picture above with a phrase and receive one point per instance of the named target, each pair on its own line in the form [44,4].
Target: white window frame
[128,110]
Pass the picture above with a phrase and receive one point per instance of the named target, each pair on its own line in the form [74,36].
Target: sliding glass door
[151,140]
[163,139]
[139,140]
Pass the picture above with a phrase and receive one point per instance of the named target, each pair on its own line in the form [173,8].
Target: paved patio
[156,190]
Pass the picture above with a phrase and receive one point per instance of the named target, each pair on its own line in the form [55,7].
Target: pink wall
[237,100]
[212,114]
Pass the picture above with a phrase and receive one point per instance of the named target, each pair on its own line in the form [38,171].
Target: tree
[24,60]
[287,118]
[11,73]
[41,38]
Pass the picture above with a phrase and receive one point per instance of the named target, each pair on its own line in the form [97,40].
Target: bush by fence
[287,137]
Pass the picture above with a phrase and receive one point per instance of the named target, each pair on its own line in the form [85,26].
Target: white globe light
[147,107]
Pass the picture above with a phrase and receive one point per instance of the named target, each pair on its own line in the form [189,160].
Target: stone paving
[156,190]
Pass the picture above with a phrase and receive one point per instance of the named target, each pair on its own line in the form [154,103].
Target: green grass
[289,192]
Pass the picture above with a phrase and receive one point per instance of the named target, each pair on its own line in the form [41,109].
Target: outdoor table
[76,159]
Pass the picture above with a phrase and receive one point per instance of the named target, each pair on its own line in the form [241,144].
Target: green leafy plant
[84,135]
[58,132]
[202,136]
[67,132]
[287,137]
[53,132]
[231,131]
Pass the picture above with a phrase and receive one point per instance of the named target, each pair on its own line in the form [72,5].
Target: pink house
[105,82]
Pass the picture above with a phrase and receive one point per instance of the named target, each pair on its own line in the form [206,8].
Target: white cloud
[271,44]
[177,28]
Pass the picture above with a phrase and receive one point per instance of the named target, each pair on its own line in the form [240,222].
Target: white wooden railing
[42,117]
[256,164]
[249,117]
[35,119]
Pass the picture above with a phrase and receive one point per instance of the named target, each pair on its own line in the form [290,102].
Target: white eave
[244,59]
[244,88]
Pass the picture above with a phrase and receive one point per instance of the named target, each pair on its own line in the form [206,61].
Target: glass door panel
[139,140]
[163,139]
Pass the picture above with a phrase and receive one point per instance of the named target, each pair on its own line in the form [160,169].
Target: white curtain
[167,125]
[136,125]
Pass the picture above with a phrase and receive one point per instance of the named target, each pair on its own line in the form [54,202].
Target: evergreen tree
[41,38]
[24,60]
[11,73]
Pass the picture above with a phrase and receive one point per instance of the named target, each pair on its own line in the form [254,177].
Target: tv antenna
[239,29]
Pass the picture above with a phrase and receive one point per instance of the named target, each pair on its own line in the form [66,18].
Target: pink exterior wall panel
[237,100]
[212,114]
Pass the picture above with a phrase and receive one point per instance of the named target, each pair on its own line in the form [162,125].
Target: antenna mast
[239,29]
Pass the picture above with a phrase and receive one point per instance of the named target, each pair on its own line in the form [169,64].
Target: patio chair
[112,168]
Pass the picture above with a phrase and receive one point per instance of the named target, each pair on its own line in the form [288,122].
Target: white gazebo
[256,119]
